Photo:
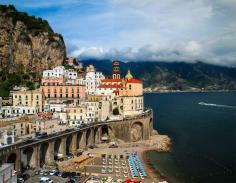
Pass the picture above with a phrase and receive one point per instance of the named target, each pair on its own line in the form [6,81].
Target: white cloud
[144,29]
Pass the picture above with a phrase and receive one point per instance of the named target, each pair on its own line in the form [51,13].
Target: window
[130,86]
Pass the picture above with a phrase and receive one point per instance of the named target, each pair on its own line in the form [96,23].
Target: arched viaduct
[37,153]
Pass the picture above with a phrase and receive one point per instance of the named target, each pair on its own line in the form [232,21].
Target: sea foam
[217,105]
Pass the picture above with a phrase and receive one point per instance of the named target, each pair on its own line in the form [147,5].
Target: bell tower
[116,69]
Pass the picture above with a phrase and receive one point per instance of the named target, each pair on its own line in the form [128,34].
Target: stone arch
[136,132]
[43,152]
[88,134]
[79,139]
[28,157]
[57,145]
[12,159]
[68,144]
[96,135]
[106,133]
[150,126]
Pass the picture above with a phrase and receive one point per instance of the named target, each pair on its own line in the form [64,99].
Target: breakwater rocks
[160,143]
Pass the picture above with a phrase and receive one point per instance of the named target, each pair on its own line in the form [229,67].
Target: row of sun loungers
[136,166]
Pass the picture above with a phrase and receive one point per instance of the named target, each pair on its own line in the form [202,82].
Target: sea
[203,129]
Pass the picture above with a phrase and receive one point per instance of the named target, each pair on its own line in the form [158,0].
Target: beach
[158,143]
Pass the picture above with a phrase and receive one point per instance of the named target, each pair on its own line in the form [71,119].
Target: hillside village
[68,98]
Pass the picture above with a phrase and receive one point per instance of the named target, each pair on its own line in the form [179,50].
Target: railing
[51,136]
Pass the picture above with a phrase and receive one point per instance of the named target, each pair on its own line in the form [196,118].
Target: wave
[217,105]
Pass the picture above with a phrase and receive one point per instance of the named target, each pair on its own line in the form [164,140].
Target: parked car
[52,172]
[65,174]
[45,180]
[20,180]
[41,135]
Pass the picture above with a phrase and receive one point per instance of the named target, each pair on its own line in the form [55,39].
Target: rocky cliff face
[23,49]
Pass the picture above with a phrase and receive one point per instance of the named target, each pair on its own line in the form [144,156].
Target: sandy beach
[159,143]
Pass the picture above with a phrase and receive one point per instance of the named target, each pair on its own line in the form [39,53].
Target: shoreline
[187,91]
[157,142]
[152,171]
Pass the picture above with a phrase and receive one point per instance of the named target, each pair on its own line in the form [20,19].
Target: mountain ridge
[174,76]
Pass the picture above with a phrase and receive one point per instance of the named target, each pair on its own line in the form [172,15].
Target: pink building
[57,88]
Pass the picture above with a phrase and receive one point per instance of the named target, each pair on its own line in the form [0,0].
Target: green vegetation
[9,80]
[35,25]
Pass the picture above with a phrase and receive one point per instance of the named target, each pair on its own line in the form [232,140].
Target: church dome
[128,75]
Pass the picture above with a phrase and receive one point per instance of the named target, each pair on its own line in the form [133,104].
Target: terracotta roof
[133,80]
[116,91]
[109,86]
[81,158]
[111,80]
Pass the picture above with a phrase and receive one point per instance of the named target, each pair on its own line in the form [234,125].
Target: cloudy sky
[164,30]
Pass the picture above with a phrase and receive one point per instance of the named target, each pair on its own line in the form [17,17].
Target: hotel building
[28,98]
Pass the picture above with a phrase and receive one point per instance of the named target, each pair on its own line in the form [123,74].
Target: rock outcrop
[25,43]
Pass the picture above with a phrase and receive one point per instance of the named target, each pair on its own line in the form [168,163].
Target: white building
[93,111]
[60,71]
[54,107]
[14,111]
[7,135]
[71,74]
[93,79]
[55,72]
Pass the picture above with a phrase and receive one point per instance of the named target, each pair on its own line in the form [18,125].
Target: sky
[138,30]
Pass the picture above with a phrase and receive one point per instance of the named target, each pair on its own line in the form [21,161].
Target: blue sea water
[203,129]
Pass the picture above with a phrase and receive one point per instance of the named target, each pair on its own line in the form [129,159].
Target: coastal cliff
[28,43]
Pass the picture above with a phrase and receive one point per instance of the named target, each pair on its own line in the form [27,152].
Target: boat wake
[217,105]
